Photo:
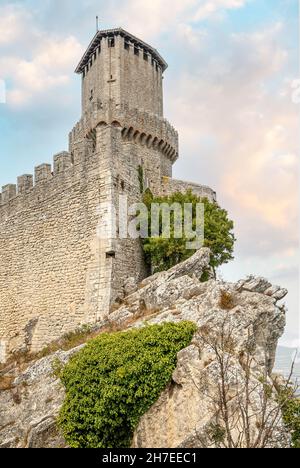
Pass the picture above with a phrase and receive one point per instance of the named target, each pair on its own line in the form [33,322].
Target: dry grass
[227,301]
[69,341]
[6,382]
[16,395]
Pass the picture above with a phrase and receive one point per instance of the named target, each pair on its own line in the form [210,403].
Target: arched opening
[136,136]
[130,133]
[161,144]
[143,138]
[102,124]
[155,143]
[149,141]
[115,123]
[124,132]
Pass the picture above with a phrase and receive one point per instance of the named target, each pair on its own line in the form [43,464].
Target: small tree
[162,253]
[291,413]
[249,409]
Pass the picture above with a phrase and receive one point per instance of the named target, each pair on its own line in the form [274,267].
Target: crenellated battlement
[27,183]
[141,127]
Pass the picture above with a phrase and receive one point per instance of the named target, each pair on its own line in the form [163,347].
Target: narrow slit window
[111,42]
[136,50]
[111,254]
[146,56]
[126,45]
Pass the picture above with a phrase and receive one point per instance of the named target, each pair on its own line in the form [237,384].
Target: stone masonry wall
[45,252]
[55,271]
[169,186]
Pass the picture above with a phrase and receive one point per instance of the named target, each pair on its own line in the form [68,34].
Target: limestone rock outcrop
[185,413]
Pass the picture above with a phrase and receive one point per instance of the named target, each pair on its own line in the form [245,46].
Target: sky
[228,90]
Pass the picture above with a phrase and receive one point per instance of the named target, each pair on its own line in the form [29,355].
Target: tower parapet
[140,126]
[119,66]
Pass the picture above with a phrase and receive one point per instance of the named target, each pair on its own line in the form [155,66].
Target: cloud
[238,127]
[210,7]
[12,23]
[35,68]
[191,36]
[34,62]
[152,17]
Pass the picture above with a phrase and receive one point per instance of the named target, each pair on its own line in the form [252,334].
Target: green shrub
[291,414]
[115,379]
[163,253]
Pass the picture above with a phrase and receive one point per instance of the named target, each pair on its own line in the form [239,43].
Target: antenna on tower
[97,23]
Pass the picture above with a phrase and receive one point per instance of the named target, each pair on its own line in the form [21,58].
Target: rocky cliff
[238,329]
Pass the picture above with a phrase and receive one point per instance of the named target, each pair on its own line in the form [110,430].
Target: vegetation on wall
[141,178]
[162,254]
[115,379]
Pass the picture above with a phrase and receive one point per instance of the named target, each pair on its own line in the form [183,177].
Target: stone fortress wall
[56,272]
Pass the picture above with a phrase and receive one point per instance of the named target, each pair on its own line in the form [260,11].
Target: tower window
[126,45]
[95,56]
[111,42]
[136,50]
[145,56]
[111,254]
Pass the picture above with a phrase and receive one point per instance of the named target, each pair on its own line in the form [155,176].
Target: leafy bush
[115,379]
[291,414]
[162,254]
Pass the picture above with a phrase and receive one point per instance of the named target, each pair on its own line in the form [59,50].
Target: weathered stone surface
[263,286]
[28,409]
[182,415]
[164,289]
[130,286]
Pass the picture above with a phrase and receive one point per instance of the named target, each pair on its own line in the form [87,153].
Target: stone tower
[123,125]
[56,271]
